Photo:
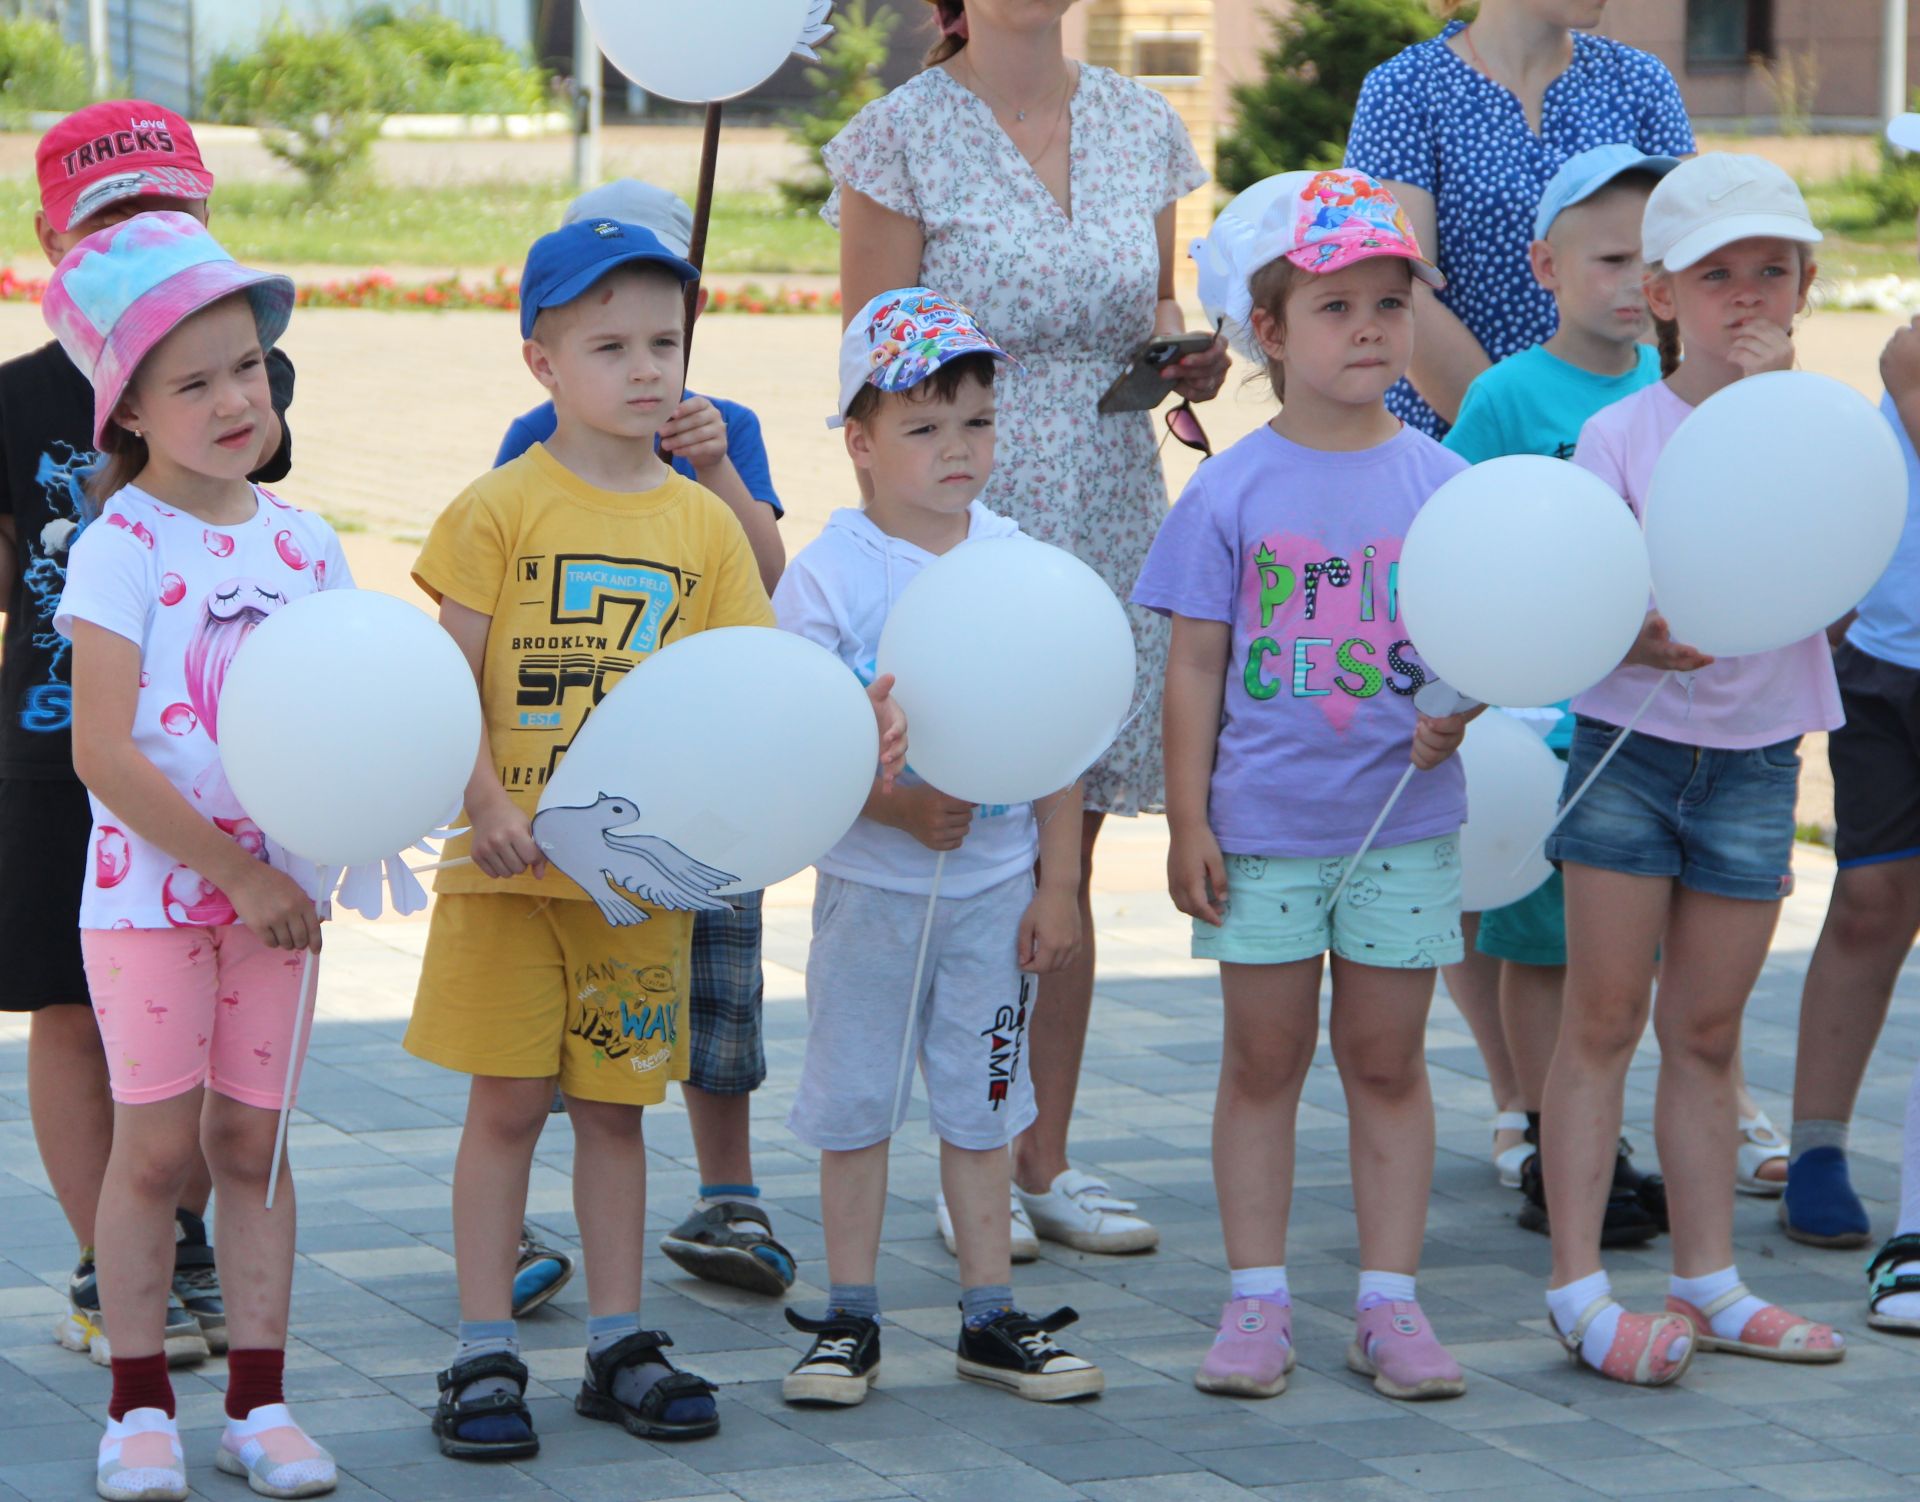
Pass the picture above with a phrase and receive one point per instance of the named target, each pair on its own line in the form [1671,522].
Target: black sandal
[454,1411]
[642,1348]
[1882,1282]
[707,1245]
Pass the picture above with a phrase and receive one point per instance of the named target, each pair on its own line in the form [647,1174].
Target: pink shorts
[182,1007]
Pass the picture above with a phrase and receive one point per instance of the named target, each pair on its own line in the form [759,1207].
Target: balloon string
[913,999]
[1367,844]
[1598,767]
[296,1057]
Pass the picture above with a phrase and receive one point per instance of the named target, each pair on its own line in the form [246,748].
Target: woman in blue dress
[1466,129]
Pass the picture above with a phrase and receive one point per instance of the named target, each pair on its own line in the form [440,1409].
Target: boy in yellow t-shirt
[557,574]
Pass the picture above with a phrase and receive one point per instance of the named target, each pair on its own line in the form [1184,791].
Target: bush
[846,81]
[39,70]
[314,94]
[1894,191]
[430,64]
[1297,114]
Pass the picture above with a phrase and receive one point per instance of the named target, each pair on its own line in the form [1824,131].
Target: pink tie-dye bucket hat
[118,293]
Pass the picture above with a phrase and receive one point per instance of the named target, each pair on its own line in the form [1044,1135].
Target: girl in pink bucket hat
[191,923]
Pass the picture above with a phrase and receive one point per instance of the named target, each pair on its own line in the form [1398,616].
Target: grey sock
[853,1298]
[486,1337]
[978,1305]
[630,1383]
[1815,1133]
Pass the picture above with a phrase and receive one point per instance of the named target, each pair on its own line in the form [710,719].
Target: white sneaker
[1080,1211]
[1026,1245]
[141,1459]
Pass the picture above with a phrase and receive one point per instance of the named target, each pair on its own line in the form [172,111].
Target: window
[1728,33]
[1167,56]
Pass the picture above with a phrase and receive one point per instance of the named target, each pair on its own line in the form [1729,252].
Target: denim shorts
[1401,911]
[1719,821]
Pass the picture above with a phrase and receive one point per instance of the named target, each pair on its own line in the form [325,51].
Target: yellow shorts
[525,987]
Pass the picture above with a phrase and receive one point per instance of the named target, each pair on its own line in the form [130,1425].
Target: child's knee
[508,1111]
[1709,1042]
[606,1123]
[1382,1069]
[156,1165]
[237,1140]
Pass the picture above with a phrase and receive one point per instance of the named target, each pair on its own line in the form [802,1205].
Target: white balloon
[349,723]
[1513,791]
[747,750]
[1523,580]
[1015,668]
[1772,511]
[703,51]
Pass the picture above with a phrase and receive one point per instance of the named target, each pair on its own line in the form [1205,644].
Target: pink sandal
[1642,1353]
[1774,1334]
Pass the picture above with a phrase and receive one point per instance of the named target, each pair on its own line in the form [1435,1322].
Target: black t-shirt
[46,415]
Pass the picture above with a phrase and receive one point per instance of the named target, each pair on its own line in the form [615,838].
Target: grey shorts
[970,1019]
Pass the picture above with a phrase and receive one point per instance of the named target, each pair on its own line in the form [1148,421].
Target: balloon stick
[1598,767]
[458,860]
[913,999]
[1367,844]
[293,1070]
[702,213]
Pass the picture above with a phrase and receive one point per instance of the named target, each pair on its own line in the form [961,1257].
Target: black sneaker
[1648,1188]
[840,1365]
[1627,1222]
[196,1281]
[180,1339]
[81,1325]
[1016,1351]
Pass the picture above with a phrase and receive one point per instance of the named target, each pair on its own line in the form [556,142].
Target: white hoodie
[838,592]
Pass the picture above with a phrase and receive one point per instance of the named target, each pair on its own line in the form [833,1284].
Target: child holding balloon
[191,925]
[917,404]
[1289,720]
[1683,846]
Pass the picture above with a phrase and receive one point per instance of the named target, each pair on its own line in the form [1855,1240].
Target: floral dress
[1072,298]
[1427,116]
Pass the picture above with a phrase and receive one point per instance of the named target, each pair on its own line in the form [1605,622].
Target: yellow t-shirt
[582,584]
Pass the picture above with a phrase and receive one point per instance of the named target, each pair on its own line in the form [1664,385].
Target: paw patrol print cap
[1324,221]
[900,338]
[562,265]
[122,290]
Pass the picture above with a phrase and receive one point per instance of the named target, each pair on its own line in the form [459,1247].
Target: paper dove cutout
[816,30]
[581,842]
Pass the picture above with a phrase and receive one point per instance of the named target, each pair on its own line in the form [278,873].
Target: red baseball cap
[118,148]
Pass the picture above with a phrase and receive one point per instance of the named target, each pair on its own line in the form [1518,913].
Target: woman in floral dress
[1040,193]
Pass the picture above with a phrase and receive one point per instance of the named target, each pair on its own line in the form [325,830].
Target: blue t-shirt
[1536,403]
[1889,623]
[745,447]
[1429,118]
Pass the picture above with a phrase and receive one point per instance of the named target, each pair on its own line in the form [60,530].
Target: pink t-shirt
[1738,703]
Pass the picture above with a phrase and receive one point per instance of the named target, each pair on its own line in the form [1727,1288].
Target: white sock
[1907,1305]
[1700,1292]
[1269,1283]
[1567,1304]
[1383,1288]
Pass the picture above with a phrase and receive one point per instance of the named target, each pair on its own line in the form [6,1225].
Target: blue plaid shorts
[724,996]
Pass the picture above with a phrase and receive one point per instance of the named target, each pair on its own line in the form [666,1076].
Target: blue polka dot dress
[1430,118]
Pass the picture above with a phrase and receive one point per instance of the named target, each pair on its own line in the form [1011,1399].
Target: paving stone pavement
[373,1144]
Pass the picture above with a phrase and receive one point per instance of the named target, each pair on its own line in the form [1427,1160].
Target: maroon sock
[140,1382]
[253,1380]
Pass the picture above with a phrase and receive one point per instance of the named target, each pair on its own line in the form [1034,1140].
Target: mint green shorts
[1401,911]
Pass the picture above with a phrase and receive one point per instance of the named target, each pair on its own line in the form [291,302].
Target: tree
[846,81]
[1298,113]
[314,94]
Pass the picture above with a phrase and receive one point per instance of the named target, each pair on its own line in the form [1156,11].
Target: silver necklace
[996,103]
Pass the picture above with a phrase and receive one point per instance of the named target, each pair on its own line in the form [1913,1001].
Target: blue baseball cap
[1582,176]
[564,264]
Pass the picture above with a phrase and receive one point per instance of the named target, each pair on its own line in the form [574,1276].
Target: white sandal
[1510,1160]
[1760,1145]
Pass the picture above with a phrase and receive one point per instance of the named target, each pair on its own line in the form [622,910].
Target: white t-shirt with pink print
[187,595]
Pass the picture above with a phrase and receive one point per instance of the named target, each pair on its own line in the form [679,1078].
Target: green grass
[1855,245]
[480,226]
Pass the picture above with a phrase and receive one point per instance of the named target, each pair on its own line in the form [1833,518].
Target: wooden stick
[1367,844]
[913,998]
[702,214]
[293,1069]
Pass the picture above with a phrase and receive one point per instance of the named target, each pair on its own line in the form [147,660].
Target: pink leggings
[182,1007]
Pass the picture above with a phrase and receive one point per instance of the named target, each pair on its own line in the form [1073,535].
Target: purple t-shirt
[1298,549]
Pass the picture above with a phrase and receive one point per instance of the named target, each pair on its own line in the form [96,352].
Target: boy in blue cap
[1586,252]
[557,574]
